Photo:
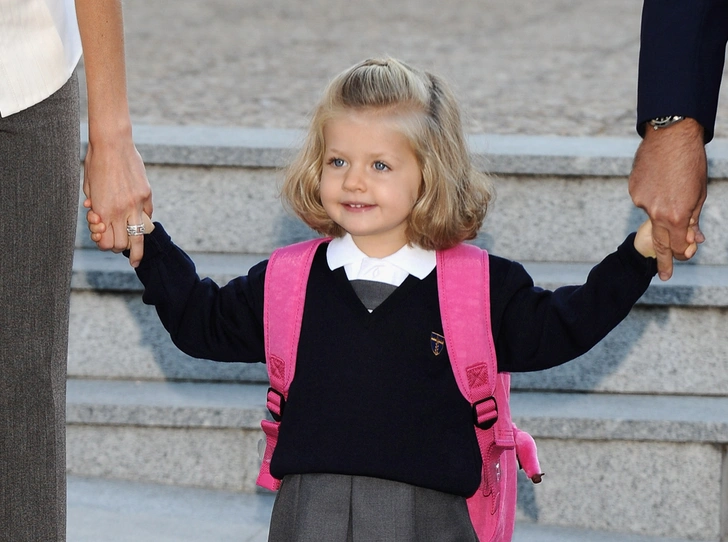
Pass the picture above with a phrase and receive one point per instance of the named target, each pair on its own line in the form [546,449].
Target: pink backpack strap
[463,275]
[286,278]
[463,280]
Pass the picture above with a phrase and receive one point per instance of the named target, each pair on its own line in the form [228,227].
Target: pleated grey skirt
[338,508]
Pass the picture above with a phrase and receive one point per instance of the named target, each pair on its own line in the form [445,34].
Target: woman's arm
[115,181]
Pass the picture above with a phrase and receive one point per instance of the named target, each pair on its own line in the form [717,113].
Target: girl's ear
[421,192]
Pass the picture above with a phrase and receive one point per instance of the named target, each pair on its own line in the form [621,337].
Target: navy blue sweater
[369,396]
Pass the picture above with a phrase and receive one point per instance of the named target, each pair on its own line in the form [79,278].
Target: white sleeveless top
[39,48]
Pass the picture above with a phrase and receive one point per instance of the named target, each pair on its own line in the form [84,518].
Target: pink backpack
[463,287]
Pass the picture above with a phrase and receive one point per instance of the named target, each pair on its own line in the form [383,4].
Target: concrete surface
[619,448]
[519,67]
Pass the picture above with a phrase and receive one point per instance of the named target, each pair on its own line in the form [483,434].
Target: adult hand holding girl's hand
[98,228]
[669,181]
[115,181]
[644,244]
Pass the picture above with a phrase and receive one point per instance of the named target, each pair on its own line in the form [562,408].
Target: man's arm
[115,180]
[669,181]
[682,51]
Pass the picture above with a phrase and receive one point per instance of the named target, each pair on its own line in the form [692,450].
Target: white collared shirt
[39,48]
[393,269]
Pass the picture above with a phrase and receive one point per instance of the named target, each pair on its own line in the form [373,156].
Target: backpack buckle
[275,402]
[485,413]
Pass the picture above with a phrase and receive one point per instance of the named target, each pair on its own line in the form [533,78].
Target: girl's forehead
[372,130]
[390,114]
[404,122]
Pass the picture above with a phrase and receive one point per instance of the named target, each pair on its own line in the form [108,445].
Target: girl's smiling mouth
[357,206]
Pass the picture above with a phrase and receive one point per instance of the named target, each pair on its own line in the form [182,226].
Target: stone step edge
[496,153]
[691,285]
[573,416]
[527,531]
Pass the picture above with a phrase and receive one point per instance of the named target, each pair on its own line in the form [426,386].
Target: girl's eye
[337,162]
[380,166]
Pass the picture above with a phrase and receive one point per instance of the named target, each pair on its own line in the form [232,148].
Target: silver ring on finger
[133,230]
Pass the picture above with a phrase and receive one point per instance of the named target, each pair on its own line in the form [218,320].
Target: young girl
[377,442]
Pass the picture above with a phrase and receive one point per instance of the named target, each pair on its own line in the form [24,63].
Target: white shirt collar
[393,269]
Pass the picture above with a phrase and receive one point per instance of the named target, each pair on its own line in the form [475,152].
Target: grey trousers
[39,190]
[337,508]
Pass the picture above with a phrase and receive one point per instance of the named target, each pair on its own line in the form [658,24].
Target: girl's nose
[354,181]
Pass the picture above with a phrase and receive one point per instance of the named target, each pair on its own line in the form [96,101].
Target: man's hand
[669,181]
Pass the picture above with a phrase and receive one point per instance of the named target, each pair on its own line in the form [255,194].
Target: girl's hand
[148,224]
[95,226]
[644,245]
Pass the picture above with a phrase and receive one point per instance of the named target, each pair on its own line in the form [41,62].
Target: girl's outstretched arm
[204,320]
[535,328]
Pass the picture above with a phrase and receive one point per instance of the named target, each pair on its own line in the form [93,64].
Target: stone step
[122,511]
[679,320]
[191,434]
[548,155]
[606,457]
[559,198]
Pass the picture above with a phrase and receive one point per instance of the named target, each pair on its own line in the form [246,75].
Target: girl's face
[370,180]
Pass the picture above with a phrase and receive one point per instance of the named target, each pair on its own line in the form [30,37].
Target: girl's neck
[376,249]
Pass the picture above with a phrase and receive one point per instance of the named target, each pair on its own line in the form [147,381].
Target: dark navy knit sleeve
[536,329]
[204,320]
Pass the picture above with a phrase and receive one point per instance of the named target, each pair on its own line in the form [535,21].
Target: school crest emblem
[437,343]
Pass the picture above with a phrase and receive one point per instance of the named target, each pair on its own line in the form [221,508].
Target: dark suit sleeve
[682,51]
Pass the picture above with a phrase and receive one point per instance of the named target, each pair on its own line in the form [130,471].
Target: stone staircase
[632,436]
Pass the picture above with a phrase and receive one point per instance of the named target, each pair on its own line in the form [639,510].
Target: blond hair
[454,195]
